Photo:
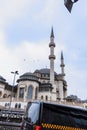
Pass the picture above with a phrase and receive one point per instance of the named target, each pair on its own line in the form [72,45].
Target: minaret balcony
[52,57]
[62,65]
[51,44]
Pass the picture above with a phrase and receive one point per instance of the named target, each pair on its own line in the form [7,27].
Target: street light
[15,73]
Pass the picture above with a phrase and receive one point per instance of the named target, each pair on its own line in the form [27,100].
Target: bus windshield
[32,112]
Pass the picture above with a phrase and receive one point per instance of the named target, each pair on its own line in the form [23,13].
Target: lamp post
[15,73]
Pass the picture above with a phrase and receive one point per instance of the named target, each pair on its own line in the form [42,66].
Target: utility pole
[14,73]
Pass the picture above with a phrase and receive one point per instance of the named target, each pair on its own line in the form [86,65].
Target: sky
[25,27]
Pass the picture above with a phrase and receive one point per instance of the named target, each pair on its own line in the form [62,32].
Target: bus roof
[61,105]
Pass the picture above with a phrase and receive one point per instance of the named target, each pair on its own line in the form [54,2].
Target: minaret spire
[52,33]
[62,65]
[52,56]
[62,55]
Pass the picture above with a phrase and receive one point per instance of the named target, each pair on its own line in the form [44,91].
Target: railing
[10,119]
[80,104]
[13,99]
[9,126]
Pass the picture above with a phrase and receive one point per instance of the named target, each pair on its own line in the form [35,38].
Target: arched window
[30,92]
[5,96]
[42,97]
[0,93]
[6,104]
[46,97]
[16,105]
[21,93]
[9,96]
[19,106]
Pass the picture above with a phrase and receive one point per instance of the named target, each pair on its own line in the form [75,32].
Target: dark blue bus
[51,116]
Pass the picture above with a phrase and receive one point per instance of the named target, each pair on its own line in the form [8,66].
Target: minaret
[52,56]
[62,64]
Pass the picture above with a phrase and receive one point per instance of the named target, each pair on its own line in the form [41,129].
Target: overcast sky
[25,27]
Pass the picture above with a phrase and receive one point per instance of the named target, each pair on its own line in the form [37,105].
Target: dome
[36,71]
[2,79]
[45,71]
[28,76]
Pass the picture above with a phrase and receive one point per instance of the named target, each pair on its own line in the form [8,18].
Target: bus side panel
[61,118]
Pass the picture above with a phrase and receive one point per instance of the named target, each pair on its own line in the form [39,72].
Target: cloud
[23,58]
[13,10]
[47,12]
[76,80]
[26,56]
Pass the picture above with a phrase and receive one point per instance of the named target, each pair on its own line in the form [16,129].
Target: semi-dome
[36,71]
[45,71]
[2,79]
[28,76]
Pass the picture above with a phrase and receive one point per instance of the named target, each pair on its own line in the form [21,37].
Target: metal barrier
[10,119]
[9,126]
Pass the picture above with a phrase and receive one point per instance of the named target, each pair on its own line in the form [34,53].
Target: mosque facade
[42,84]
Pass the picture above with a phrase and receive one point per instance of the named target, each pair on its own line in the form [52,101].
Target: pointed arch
[5,95]
[46,97]
[30,92]
[42,97]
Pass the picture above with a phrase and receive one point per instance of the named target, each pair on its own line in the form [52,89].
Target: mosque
[42,84]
